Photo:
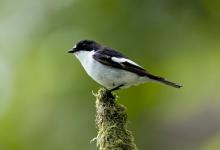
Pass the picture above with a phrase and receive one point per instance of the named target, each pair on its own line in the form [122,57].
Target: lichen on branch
[111,122]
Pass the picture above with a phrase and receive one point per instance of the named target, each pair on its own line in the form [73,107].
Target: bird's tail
[163,80]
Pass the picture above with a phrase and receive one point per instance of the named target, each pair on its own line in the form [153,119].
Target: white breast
[87,61]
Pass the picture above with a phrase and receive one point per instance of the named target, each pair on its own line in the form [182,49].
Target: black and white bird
[110,68]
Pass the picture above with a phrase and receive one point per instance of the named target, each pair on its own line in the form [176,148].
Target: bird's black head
[85,45]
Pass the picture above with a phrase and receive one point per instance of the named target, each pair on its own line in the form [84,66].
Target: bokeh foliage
[45,95]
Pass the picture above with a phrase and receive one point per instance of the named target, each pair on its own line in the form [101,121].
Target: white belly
[107,76]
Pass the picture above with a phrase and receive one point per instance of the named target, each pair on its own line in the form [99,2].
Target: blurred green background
[46,100]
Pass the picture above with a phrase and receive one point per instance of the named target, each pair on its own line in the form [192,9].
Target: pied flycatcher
[110,68]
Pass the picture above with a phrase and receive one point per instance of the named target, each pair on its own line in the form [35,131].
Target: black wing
[110,52]
[104,56]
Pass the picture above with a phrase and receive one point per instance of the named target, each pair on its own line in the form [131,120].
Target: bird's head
[85,45]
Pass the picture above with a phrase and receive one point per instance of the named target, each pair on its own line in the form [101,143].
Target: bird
[112,69]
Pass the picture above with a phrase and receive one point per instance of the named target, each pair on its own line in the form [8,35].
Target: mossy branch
[111,122]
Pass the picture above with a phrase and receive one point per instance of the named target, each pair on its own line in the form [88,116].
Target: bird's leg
[109,92]
[116,88]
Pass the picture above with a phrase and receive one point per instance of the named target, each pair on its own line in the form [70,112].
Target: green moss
[111,121]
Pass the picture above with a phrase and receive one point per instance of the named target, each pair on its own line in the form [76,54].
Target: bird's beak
[72,50]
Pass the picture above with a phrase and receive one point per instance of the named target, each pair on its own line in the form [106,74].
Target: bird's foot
[109,92]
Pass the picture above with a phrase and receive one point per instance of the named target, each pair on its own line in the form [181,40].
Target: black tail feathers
[164,81]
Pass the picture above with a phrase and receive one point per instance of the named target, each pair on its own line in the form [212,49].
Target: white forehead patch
[74,46]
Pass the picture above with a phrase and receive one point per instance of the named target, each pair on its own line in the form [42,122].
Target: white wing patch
[121,60]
